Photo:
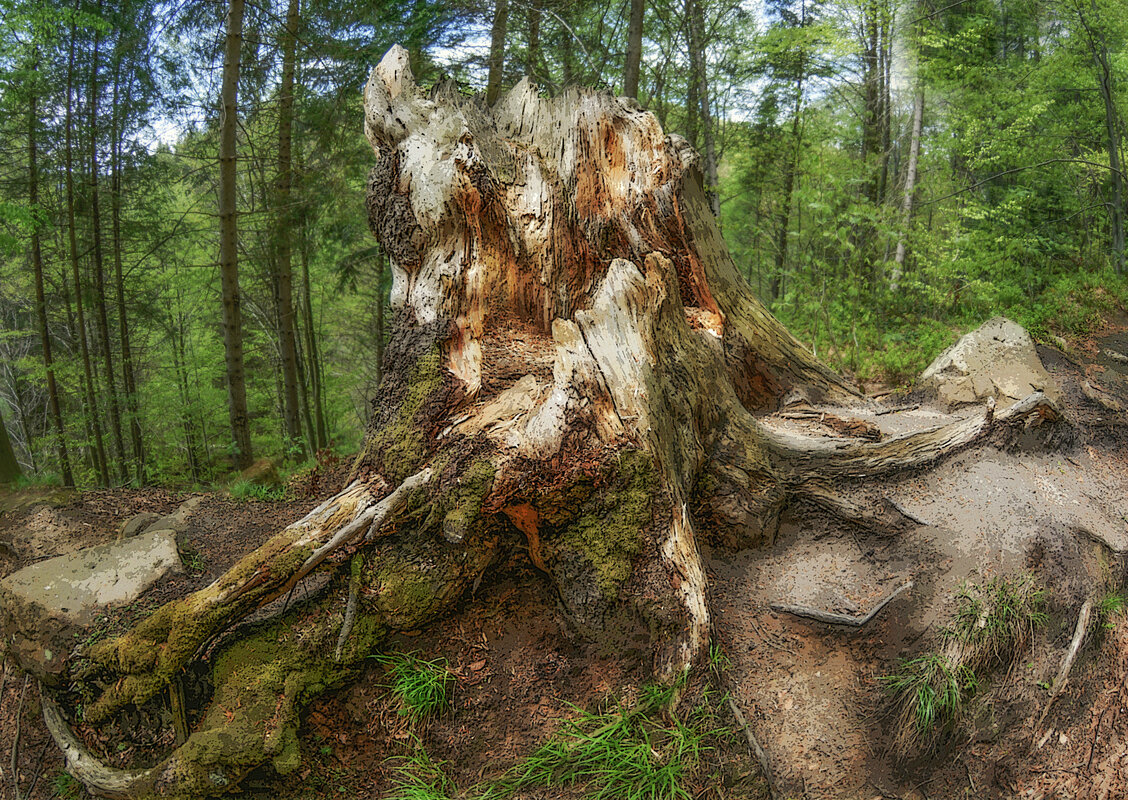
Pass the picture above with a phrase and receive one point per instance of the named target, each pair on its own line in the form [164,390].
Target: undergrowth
[244,489]
[991,623]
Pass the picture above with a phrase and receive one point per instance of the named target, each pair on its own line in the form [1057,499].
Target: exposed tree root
[755,748]
[1067,662]
[832,618]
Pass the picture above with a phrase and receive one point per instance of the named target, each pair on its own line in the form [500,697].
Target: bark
[128,381]
[72,241]
[312,350]
[910,189]
[533,48]
[576,369]
[101,316]
[229,242]
[37,268]
[695,22]
[497,50]
[283,279]
[634,49]
[9,466]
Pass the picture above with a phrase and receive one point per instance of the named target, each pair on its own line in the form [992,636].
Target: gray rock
[178,519]
[44,606]
[137,523]
[997,360]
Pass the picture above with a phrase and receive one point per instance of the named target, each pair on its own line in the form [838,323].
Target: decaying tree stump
[576,367]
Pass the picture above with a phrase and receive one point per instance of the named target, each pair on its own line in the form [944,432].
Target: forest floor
[811,692]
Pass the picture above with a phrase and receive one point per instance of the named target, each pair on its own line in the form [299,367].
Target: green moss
[398,447]
[462,504]
[153,652]
[262,681]
[607,532]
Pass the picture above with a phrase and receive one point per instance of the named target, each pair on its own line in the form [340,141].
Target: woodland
[388,314]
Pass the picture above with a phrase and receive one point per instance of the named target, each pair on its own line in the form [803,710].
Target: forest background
[186,277]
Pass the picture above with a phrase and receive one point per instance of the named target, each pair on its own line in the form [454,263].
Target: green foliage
[423,688]
[935,689]
[996,616]
[619,753]
[1112,605]
[417,777]
[244,489]
[67,788]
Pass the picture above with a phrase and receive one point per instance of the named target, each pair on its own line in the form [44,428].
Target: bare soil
[809,690]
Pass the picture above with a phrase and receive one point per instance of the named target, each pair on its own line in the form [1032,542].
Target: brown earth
[809,690]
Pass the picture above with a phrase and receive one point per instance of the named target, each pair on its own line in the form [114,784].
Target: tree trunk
[910,189]
[695,21]
[634,49]
[128,380]
[9,467]
[497,50]
[1112,133]
[575,369]
[37,268]
[283,278]
[229,242]
[72,241]
[533,49]
[102,318]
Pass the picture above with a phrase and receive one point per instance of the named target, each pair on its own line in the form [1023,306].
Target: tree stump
[576,368]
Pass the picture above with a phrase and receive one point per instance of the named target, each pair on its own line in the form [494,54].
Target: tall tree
[9,466]
[229,240]
[283,277]
[91,395]
[695,27]
[634,49]
[497,50]
[37,268]
[102,316]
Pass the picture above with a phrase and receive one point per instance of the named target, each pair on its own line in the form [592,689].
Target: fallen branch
[831,618]
[350,609]
[1067,663]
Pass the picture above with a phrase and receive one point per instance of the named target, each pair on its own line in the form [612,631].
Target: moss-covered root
[262,681]
[140,663]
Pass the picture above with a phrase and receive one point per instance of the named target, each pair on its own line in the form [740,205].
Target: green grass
[419,778]
[991,623]
[628,753]
[1112,605]
[423,688]
[65,787]
[935,690]
[996,616]
[246,490]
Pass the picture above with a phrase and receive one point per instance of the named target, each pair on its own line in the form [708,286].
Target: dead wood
[833,618]
[1067,661]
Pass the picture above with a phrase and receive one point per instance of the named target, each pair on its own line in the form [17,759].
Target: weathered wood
[833,618]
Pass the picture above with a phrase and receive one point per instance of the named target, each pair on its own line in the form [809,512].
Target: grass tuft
[991,623]
[419,778]
[620,753]
[244,489]
[423,688]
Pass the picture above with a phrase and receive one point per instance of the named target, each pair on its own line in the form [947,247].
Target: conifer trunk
[229,241]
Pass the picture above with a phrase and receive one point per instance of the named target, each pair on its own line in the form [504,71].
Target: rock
[136,524]
[997,360]
[178,519]
[44,607]
[261,473]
